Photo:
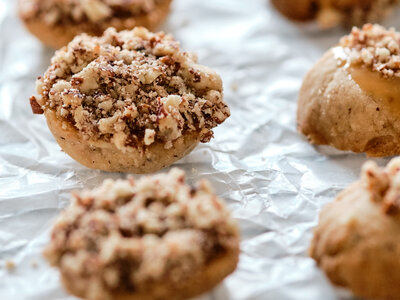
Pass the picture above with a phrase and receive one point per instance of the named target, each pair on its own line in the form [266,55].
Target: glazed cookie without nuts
[356,242]
[129,101]
[350,99]
[154,238]
[330,13]
[57,22]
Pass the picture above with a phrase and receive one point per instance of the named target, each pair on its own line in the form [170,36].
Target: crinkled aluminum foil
[273,180]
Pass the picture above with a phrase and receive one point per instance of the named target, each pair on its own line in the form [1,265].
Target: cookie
[349,99]
[57,22]
[129,101]
[356,242]
[330,13]
[154,238]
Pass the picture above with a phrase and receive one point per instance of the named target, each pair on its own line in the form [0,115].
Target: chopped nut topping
[384,184]
[126,234]
[36,108]
[55,12]
[132,88]
[375,47]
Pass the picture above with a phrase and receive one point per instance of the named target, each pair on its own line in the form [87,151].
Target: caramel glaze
[384,90]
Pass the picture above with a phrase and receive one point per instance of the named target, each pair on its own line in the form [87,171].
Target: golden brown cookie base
[107,157]
[333,110]
[357,246]
[56,36]
[298,10]
[198,284]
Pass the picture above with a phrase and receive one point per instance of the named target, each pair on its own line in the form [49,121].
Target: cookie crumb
[234,86]
[34,264]
[10,265]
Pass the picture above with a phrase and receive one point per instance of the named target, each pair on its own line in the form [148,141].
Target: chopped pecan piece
[36,108]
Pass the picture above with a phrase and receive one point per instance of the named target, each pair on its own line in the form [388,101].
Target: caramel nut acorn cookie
[130,101]
[330,13]
[154,238]
[350,99]
[356,242]
[57,22]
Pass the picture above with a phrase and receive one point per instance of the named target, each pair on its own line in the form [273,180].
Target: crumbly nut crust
[57,12]
[125,235]
[383,184]
[375,47]
[132,88]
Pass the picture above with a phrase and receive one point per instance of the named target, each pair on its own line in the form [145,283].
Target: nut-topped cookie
[350,99]
[129,101]
[356,242]
[152,238]
[57,22]
[330,13]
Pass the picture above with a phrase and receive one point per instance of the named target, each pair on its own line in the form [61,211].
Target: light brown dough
[107,157]
[356,242]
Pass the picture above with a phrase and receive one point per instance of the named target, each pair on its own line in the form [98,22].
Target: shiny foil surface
[273,180]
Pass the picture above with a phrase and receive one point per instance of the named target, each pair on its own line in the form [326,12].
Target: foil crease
[273,180]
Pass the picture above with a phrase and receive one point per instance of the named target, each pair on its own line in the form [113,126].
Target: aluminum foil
[272,179]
